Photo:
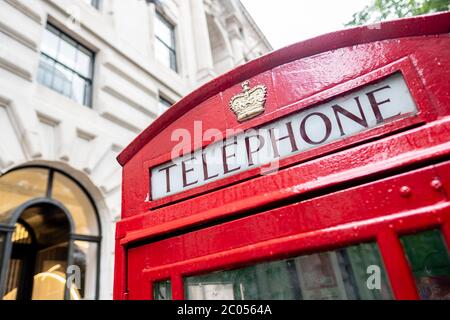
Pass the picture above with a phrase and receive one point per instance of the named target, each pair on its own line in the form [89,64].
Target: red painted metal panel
[373,200]
[418,50]
[326,239]
[375,185]
[177,287]
[359,214]
[419,145]
[120,276]
[402,280]
[318,240]
[442,183]
[370,201]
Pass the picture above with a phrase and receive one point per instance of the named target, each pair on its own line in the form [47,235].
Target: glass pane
[163,54]
[85,261]
[15,270]
[20,263]
[20,186]
[78,89]
[87,94]
[164,31]
[21,235]
[162,290]
[354,273]
[67,52]
[430,263]
[84,63]
[50,273]
[173,61]
[45,72]
[76,201]
[50,43]
[62,80]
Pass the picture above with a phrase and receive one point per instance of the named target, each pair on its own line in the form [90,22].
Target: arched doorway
[49,237]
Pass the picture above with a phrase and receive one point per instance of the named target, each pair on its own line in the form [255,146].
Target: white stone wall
[38,125]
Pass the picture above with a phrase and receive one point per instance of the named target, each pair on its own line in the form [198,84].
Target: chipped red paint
[355,182]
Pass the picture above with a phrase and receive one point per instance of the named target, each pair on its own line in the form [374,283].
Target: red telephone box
[319,171]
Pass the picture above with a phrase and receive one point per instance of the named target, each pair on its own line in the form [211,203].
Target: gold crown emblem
[250,102]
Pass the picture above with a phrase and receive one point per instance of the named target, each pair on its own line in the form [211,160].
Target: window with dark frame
[165,48]
[66,66]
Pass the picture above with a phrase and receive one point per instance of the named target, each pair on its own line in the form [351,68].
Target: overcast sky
[288,21]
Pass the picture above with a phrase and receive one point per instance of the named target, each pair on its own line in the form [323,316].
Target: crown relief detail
[250,103]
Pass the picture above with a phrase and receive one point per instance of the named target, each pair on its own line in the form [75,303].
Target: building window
[49,228]
[165,49]
[66,66]
[94,3]
[163,105]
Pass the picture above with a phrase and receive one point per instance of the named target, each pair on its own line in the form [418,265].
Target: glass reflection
[49,280]
[67,52]
[84,63]
[162,290]
[430,263]
[75,200]
[50,277]
[334,275]
[163,54]
[85,262]
[50,42]
[165,50]
[164,31]
[18,187]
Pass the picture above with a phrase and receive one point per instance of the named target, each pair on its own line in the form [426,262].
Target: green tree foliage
[380,10]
